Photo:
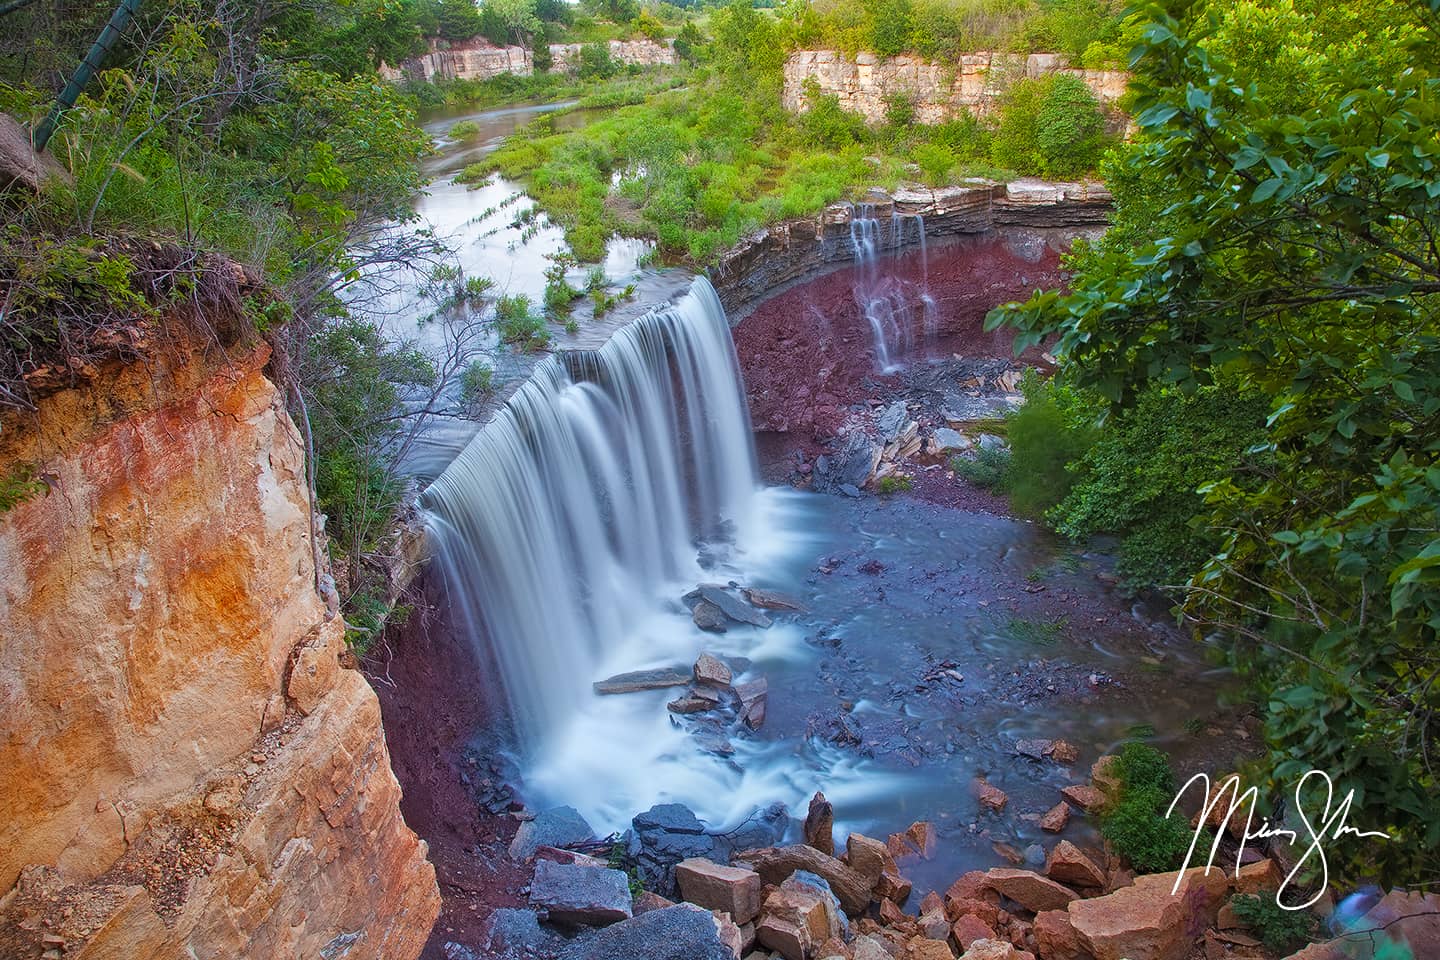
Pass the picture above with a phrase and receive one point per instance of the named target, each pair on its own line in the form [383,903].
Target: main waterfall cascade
[890,303]
[566,532]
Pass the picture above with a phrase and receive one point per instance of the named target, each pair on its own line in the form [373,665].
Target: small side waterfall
[889,303]
[592,486]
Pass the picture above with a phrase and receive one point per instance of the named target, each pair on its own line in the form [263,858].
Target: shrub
[1279,929]
[989,469]
[477,383]
[1053,429]
[1050,125]
[465,131]
[596,63]
[899,109]
[894,484]
[1136,823]
[519,324]
[935,163]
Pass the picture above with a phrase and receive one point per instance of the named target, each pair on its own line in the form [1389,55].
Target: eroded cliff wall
[189,770]
[479,59]
[938,91]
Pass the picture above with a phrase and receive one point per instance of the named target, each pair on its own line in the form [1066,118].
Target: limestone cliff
[478,59]
[938,90]
[189,770]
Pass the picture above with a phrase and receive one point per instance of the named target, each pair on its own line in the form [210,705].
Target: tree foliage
[1285,237]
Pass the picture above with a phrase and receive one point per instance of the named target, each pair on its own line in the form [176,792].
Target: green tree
[1285,239]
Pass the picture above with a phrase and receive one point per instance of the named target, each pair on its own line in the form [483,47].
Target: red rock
[1254,878]
[893,886]
[1029,889]
[734,890]
[1104,775]
[934,925]
[1067,863]
[1063,751]
[972,886]
[1085,797]
[994,950]
[868,856]
[1146,921]
[819,825]
[1056,818]
[991,797]
[774,864]
[1055,938]
[932,903]
[986,912]
[792,922]
[924,948]
[890,912]
[922,836]
[968,929]
[712,670]
[647,900]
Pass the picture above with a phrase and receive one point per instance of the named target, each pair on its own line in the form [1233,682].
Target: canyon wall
[479,59]
[938,91]
[189,769]
[771,260]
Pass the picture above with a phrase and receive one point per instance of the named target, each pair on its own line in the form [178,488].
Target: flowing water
[900,314]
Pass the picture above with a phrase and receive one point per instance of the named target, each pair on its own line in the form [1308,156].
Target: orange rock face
[177,726]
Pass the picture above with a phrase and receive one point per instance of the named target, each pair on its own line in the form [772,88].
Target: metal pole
[119,20]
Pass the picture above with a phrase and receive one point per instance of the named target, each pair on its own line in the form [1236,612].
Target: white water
[566,533]
[899,314]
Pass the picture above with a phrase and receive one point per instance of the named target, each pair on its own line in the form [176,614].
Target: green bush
[477,383]
[519,324]
[990,467]
[1053,429]
[1139,479]
[1135,821]
[1281,930]
[465,131]
[894,484]
[1051,125]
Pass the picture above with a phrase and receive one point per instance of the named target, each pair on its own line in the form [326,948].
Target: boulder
[709,617]
[987,912]
[974,885]
[556,827]
[1084,796]
[775,864]
[647,900]
[730,605]
[669,817]
[577,895]
[1056,818]
[970,928]
[870,947]
[991,797]
[681,932]
[868,857]
[1029,889]
[665,835]
[837,924]
[1105,775]
[950,441]
[994,950]
[1063,751]
[792,922]
[762,828]
[922,836]
[711,671]
[1055,938]
[515,932]
[819,825]
[1145,921]
[690,704]
[639,680]
[753,695]
[924,948]
[734,890]
[1258,877]
[771,600]
[892,420]
[1067,863]
[892,886]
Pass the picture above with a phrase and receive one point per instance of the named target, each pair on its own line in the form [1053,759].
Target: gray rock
[732,606]
[638,680]
[849,489]
[764,828]
[892,421]
[947,440]
[988,441]
[669,818]
[681,932]
[557,827]
[709,617]
[578,895]
[510,932]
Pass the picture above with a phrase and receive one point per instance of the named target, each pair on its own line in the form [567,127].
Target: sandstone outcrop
[937,91]
[189,769]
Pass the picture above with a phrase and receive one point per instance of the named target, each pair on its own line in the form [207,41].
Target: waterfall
[888,302]
[595,483]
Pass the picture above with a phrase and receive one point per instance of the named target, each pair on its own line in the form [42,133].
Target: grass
[1044,633]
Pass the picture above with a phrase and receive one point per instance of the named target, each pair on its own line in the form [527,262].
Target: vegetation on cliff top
[1264,314]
